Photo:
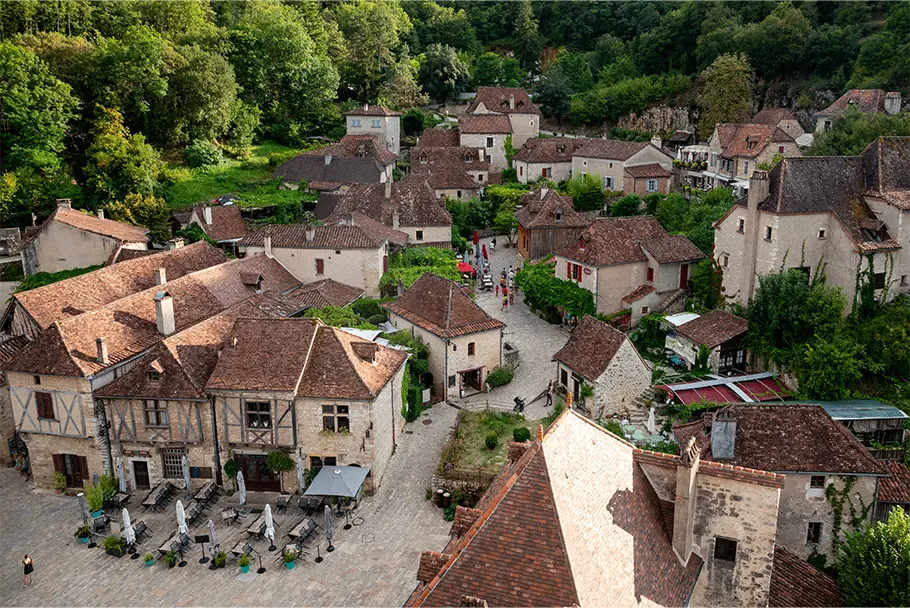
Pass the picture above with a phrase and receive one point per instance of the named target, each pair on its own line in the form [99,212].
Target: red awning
[765,389]
[465,268]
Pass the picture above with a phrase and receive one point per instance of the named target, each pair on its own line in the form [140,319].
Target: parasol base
[272,547]
[346,527]
[203,560]
[330,548]
[319,559]
[135,555]
[260,571]
[182,564]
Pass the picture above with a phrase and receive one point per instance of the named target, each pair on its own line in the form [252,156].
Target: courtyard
[374,563]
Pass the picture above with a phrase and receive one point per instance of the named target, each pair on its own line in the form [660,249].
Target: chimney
[686,498]
[100,214]
[310,234]
[160,276]
[101,347]
[164,313]
[396,219]
[267,243]
[65,203]
[207,215]
[759,189]
[400,290]
[723,435]
[656,141]
[366,107]
[176,243]
[543,192]
[511,102]
[481,155]
[388,189]
[328,159]
[893,103]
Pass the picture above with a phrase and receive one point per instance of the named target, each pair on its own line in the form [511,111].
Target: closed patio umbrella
[213,542]
[83,506]
[328,528]
[181,518]
[241,488]
[120,476]
[300,479]
[128,532]
[186,473]
[269,527]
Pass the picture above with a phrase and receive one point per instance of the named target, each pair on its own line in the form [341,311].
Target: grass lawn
[472,452]
[248,179]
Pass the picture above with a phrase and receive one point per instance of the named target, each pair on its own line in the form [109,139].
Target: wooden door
[683,276]
[141,475]
[74,468]
[256,475]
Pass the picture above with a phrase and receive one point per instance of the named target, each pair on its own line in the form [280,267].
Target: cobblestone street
[374,564]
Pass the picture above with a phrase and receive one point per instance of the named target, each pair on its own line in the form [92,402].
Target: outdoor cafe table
[299,528]
[258,526]
[205,493]
[156,495]
[168,544]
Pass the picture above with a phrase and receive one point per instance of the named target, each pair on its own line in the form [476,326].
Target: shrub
[113,543]
[148,557]
[94,496]
[614,427]
[448,513]
[201,154]
[278,462]
[491,440]
[288,556]
[500,376]
[220,559]
[231,467]
[59,481]
[82,532]
[244,560]
[521,434]
[170,558]
[509,175]
[109,487]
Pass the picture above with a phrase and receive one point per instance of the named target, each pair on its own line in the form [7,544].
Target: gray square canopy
[345,481]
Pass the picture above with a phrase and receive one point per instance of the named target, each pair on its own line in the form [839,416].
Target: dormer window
[423,158]
[559,215]
[467,158]
[153,375]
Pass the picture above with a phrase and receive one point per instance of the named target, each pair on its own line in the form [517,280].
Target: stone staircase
[676,302]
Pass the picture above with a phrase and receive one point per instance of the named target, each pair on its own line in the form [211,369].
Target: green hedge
[500,376]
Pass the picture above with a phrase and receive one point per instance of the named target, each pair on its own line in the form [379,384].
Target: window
[317,462]
[470,348]
[584,163]
[423,159]
[611,165]
[814,533]
[903,280]
[375,123]
[564,378]
[36,380]
[547,172]
[558,215]
[651,185]
[172,459]
[768,232]
[258,414]
[741,225]
[532,123]
[608,183]
[320,266]
[650,274]
[458,194]
[725,260]
[155,413]
[521,170]
[452,381]
[713,159]
[338,252]
[489,142]
[573,271]
[746,170]
[780,149]
[879,280]
[154,375]
[822,233]
[355,122]
[817,481]
[335,419]
[725,549]
[420,232]
[480,177]
[45,404]
[645,310]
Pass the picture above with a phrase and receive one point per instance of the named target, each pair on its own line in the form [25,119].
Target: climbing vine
[839,498]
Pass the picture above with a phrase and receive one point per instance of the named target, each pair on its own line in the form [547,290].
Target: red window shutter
[59,466]
[83,464]
[543,172]
[320,266]
[568,270]
[650,274]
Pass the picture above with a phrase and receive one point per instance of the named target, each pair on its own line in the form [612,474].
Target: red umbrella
[465,268]
[476,238]
[483,250]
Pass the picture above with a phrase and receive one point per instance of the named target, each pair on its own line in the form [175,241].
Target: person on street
[497,290]
[505,301]
[550,393]
[493,244]
[27,568]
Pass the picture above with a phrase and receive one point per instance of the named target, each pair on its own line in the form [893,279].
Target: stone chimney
[310,234]
[164,313]
[101,348]
[267,244]
[366,107]
[207,215]
[511,102]
[65,203]
[543,192]
[759,189]
[328,159]
[686,498]
[388,189]
[723,435]
[892,103]
[656,141]
[396,220]
[100,214]
[160,276]
[176,243]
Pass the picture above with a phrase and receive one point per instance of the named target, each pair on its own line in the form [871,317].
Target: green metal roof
[861,409]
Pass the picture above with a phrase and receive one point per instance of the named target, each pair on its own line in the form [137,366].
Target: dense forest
[107,102]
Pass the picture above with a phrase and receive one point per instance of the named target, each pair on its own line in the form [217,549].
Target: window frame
[814,482]
[769,233]
[490,142]
[320,266]
[172,469]
[741,225]
[355,122]
[649,275]
[375,123]
[418,235]
[44,403]
[814,533]
[651,186]
[822,234]
[158,409]
[472,347]
[453,379]
[153,375]
[724,548]
[332,416]
[261,412]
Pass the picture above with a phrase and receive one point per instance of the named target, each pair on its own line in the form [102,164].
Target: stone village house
[464,342]
[487,132]
[866,101]
[736,150]
[606,360]
[377,121]
[453,172]
[720,333]
[781,118]
[356,159]
[610,158]
[222,223]
[546,223]
[546,157]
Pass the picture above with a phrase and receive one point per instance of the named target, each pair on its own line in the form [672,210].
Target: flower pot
[97,513]
[83,540]
[149,563]
[244,569]
[114,552]
[59,491]
[289,565]
[171,564]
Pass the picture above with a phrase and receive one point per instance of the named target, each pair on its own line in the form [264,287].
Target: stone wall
[659,120]
[7,424]
[626,377]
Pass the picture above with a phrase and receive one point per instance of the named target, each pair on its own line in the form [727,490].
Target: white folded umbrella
[181,518]
[128,532]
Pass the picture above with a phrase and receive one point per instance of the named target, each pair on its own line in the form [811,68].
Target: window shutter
[59,465]
[568,270]
[83,464]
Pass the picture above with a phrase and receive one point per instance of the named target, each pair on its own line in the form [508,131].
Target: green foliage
[243,561]
[587,192]
[830,367]
[201,153]
[492,70]
[82,531]
[114,543]
[614,427]
[476,214]
[412,122]
[528,42]
[59,481]
[109,486]
[545,293]
[491,440]
[500,376]
[853,131]
[194,233]
[727,92]
[607,101]
[220,559]
[693,218]
[170,558]
[288,556]
[94,496]
[338,317]
[706,286]
[627,205]
[521,434]
[278,461]
[874,565]
[231,468]
[41,279]
[410,264]
[147,211]
[442,74]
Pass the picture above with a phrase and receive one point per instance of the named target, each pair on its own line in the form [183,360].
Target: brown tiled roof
[620,240]
[356,159]
[648,170]
[548,150]
[773,116]
[895,487]
[611,149]
[412,199]
[123,254]
[795,583]
[497,99]
[227,222]
[332,236]
[323,186]
[748,140]
[638,293]
[887,168]
[359,146]
[539,210]
[439,138]
[543,496]
[325,293]
[93,290]
[375,229]
[447,167]
[442,308]
[788,438]
[492,124]
[591,348]
[128,325]
[125,233]
[368,110]
[713,328]
[864,100]
[10,347]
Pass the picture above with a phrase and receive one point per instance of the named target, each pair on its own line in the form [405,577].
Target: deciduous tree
[874,564]
[727,92]
[442,74]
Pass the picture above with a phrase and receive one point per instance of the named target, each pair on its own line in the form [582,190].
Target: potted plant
[113,545]
[220,559]
[83,534]
[170,558]
[289,558]
[149,559]
[244,563]
[94,496]
[59,482]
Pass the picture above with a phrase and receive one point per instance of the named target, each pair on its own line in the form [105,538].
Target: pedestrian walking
[550,393]
[493,244]
[27,568]
[511,298]
[505,301]
[497,290]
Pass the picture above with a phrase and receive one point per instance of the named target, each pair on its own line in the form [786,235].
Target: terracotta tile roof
[795,583]
[128,325]
[93,290]
[368,110]
[497,99]
[332,236]
[713,328]
[359,146]
[356,159]
[439,138]
[621,240]
[227,222]
[788,438]
[325,293]
[749,140]
[864,100]
[375,229]
[548,150]
[648,170]
[895,487]
[485,124]
[412,199]
[323,186]
[442,308]
[125,233]
[772,116]
[591,348]
[540,209]
[638,293]
[447,167]
[10,347]
[545,496]
[612,149]
[887,169]
[123,254]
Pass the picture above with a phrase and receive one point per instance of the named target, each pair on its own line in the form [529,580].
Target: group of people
[507,287]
